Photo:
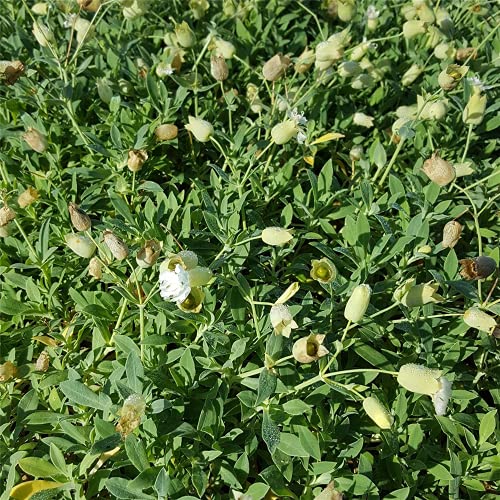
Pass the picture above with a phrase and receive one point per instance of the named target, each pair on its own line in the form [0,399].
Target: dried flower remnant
[218,68]
[42,362]
[6,215]
[166,132]
[148,254]
[323,270]
[80,220]
[480,320]
[90,5]
[7,371]
[136,159]
[95,268]
[27,197]
[131,413]
[117,247]
[10,71]
[377,412]
[275,67]
[449,78]
[309,349]
[451,234]
[438,170]
[35,140]
[304,61]
[477,268]
[282,320]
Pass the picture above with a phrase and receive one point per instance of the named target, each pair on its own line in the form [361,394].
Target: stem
[467,142]
[339,349]
[257,371]
[142,330]
[391,163]
[119,321]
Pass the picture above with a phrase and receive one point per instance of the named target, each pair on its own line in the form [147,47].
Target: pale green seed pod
[323,270]
[349,69]
[413,72]
[201,129]
[276,236]
[363,120]
[224,48]
[475,318]
[358,303]
[40,8]
[413,28]
[184,34]
[419,379]
[199,276]
[473,113]
[304,61]
[378,413]
[346,9]
[444,50]
[285,131]
[419,295]
[81,245]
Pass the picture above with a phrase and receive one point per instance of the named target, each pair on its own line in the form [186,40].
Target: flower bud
[363,120]
[81,245]
[40,8]
[437,109]
[90,5]
[349,69]
[478,268]
[117,247]
[304,61]
[284,131]
[184,34]
[131,413]
[442,396]
[80,220]
[95,268]
[444,51]
[193,302]
[362,81]
[198,8]
[201,129]
[218,68]
[474,110]
[414,28]
[412,295]
[224,49]
[275,67]
[42,362]
[356,153]
[282,320]
[104,90]
[309,349]
[42,34]
[372,15]
[346,10]
[166,132]
[35,140]
[291,290]
[378,413]
[438,170]
[7,371]
[276,236]
[328,52]
[451,234]
[323,270]
[136,159]
[84,29]
[411,75]
[6,215]
[199,276]
[358,303]
[425,249]
[135,8]
[10,71]
[419,379]
[475,318]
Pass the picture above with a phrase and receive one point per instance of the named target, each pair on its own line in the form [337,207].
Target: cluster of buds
[182,279]
[423,380]
[131,414]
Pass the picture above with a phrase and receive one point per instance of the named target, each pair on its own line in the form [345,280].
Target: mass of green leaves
[229,412]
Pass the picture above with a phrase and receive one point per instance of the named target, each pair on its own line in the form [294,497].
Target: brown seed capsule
[148,254]
[478,268]
[7,371]
[10,71]
[218,68]
[465,53]
[89,5]
[275,68]
[136,159]
[166,132]
[27,197]
[95,268]
[6,215]
[304,61]
[79,219]
[42,362]
[36,140]
[438,170]
[118,248]
[451,234]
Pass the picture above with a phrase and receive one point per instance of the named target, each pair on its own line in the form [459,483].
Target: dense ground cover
[249,249]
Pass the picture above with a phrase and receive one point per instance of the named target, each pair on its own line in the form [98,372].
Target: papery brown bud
[80,220]
[136,159]
[8,371]
[130,414]
[95,268]
[275,67]
[36,140]
[10,71]
[166,132]
[478,268]
[451,234]
[438,170]
[27,197]
[117,247]
[148,254]
[305,61]
[465,53]
[42,362]
[218,68]
[89,5]
[6,215]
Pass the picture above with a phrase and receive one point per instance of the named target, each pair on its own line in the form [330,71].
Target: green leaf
[136,452]
[80,394]
[267,385]
[487,426]
[291,445]
[270,432]
[309,442]
[38,467]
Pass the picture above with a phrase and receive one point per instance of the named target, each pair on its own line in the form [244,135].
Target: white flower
[301,137]
[363,120]
[442,396]
[372,12]
[164,70]
[476,82]
[174,285]
[297,117]
[282,320]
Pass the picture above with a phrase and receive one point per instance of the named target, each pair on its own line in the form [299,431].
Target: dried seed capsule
[7,371]
[95,268]
[451,234]
[36,140]
[136,159]
[10,71]
[479,320]
[438,170]
[118,248]
[309,349]
[131,413]
[478,268]
[80,220]
[42,362]
[218,68]
[465,53]
[166,132]
[377,412]
[6,215]
[89,5]
[275,67]
[148,254]
[27,197]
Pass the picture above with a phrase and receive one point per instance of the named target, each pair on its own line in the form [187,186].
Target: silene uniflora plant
[249,250]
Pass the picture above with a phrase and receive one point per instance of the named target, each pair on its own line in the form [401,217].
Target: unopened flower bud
[276,236]
[193,302]
[166,132]
[419,379]
[478,268]
[356,153]
[378,413]
[275,67]
[284,131]
[323,270]
[425,249]
[309,349]
[90,5]
[136,159]
[282,320]
[131,413]
[184,34]
[199,276]
[349,69]
[414,28]
[475,318]
[117,247]
[473,113]
[346,10]
[80,220]
[95,268]
[6,215]
[42,362]
[411,75]
[444,51]
[148,254]
[218,68]
[224,49]
[81,245]
[7,371]
[412,295]
[358,303]
[40,8]
[35,140]
[359,51]
[104,90]
[304,61]
[10,71]
[438,170]
[201,129]
[451,234]
[42,34]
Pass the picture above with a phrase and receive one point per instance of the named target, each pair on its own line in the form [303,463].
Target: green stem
[339,349]
[142,331]
[119,320]
[257,371]
[467,143]
[390,165]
